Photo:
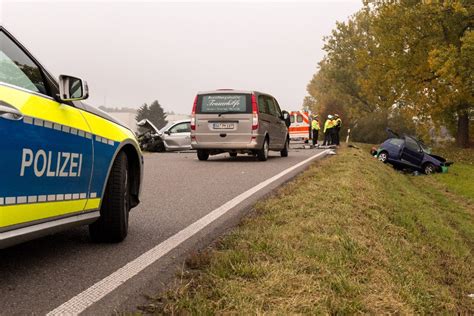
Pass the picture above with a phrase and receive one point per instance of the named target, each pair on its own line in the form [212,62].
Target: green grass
[350,235]
[459,180]
[457,155]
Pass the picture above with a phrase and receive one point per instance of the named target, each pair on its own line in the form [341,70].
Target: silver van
[238,122]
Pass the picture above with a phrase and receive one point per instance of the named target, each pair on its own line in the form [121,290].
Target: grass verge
[460,178]
[350,235]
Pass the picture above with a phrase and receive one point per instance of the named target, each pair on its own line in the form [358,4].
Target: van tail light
[193,114]
[254,113]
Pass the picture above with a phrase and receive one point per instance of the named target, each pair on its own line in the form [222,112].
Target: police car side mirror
[72,88]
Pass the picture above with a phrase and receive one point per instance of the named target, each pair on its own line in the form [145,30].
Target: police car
[62,162]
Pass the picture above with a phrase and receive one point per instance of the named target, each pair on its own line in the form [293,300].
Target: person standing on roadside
[315,129]
[337,129]
[328,126]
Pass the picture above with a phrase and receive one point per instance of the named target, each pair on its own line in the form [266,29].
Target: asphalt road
[40,275]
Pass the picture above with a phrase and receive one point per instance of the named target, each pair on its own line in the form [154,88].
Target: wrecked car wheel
[161,148]
[429,168]
[202,155]
[383,156]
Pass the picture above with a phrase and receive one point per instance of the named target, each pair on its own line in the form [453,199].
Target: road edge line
[99,290]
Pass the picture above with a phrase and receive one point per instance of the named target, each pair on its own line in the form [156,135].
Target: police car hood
[146,124]
[105,115]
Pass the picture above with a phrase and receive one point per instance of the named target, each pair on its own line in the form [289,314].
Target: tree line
[154,113]
[404,64]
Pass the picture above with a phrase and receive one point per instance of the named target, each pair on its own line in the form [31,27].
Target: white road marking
[96,292]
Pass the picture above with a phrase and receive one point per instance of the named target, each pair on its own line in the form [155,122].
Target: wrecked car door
[412,154]
[179,136]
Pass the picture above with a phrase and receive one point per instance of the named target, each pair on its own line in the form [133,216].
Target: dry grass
[348,236]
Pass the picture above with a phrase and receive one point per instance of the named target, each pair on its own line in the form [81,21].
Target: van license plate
[223,125]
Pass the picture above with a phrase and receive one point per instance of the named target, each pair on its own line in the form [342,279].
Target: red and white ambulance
[300,128]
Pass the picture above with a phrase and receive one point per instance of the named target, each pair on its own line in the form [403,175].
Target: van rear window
[223,103]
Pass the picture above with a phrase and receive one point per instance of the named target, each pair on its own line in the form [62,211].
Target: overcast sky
[131,52]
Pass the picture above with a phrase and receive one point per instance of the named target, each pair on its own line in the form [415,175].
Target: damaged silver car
[175,136]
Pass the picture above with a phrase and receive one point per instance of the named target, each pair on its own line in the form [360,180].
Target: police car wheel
[284,151]
[112,226]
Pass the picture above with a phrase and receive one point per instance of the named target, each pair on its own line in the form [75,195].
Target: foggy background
[135,52]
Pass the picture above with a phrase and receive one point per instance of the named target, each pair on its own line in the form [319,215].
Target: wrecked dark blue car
[408,152]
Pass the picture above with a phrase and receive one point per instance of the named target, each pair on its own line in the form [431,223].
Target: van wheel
[202,155]
[262,154]
[112,226]
[284,151]
[233,155]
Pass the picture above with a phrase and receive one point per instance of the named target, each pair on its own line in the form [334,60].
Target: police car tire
[112,226]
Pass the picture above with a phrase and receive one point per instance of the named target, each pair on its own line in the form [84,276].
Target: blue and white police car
[62,162]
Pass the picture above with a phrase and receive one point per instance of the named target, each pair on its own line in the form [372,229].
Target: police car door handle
[9,112]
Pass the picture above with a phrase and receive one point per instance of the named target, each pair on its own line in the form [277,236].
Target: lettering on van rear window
[221,103]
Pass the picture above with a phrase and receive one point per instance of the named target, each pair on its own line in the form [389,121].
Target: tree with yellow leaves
[414,58]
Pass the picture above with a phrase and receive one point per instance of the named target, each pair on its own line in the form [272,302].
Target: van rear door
[224,118]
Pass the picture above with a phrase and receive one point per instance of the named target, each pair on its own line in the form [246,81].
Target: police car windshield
[17,68]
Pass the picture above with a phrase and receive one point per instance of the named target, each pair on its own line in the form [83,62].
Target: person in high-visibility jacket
[328,130]
[337,129]
[315,129]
